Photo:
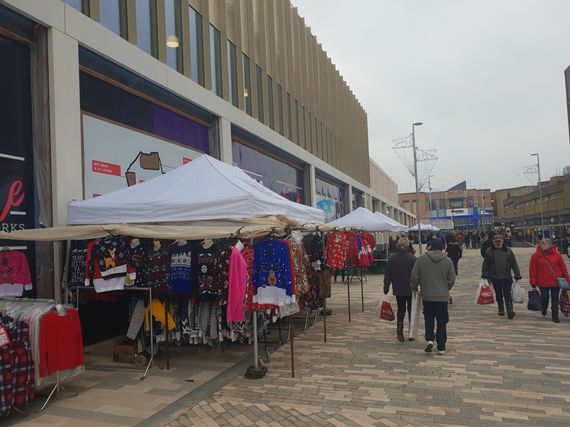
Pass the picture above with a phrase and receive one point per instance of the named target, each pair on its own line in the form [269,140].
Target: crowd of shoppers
[433,276]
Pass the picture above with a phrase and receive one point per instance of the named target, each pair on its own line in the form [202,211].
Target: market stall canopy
[246,228]
[424,227]
[363,219]
[396,224]
[204,189]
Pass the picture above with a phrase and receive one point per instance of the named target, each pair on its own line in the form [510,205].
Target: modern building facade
[101,94]
[458,207]
[523,208]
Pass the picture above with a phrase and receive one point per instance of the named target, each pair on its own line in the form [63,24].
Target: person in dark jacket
[397,274]
[454,252]
[487,243]
[498,263]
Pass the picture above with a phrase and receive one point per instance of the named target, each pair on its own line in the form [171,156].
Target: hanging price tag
[4,337]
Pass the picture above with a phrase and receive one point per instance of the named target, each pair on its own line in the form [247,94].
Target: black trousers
[436,312]
[455,265]
[503,290]
[404,304]
[336,273]
[554,294]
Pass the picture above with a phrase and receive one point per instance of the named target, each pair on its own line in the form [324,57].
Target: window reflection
[259,78]
[247,83]
[330,199]
[216,60]
[110,16]
[196,47]
[76,4]
[272,173]
[270,99]
[280,109]
[173,34]
[144,25]
[232,73]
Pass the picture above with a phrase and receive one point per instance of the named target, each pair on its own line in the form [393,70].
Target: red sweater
[61,344]
[539,272]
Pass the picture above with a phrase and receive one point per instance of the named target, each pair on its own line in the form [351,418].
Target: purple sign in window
[183,130]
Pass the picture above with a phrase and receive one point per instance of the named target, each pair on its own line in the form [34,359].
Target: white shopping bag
[518,293]
[415,316]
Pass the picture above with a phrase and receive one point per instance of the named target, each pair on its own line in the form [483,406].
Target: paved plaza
[496,372]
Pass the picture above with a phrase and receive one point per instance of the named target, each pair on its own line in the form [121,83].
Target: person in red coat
[546,264]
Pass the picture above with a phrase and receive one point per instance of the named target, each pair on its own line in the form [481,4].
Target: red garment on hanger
[61,343]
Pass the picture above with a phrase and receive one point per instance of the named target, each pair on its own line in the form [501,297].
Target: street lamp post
[430,201]
[539,194]
[416,180]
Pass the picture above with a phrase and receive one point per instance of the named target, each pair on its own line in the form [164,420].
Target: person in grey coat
[397,274]
[434,275]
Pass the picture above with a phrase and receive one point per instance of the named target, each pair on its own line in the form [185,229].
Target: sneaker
[413,339]
[544,311]
[450,300]
[441,352]
[401,338]
[429,347]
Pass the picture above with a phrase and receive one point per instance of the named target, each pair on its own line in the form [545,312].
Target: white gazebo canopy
[397,226]
[363,219]
[204,189]
[424,227]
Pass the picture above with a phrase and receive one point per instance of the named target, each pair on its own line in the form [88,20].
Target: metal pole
[416,182]
[291,339]
[540,196]
[255,344]
[325,317]
[348,290]
[362,289]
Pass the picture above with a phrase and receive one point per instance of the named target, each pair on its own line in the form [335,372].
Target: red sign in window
[106,168]
[186,160]
[96,195]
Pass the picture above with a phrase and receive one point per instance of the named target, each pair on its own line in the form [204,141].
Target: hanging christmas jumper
[272,276]
[181,268]
[237,286]
[14,274]
[337,250]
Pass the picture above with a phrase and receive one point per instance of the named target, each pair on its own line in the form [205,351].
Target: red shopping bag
[386,312]
[485,293]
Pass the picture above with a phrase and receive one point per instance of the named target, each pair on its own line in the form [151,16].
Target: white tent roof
[424,227]
[396,224]
[204,189]
[364,219]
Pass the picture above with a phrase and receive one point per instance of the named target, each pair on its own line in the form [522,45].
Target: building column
[349,197]
[225,127]
[65,133]
[311,185]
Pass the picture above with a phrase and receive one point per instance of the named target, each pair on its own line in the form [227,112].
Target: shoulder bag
[560,281]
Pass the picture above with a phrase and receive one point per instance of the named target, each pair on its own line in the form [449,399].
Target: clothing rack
[58,387]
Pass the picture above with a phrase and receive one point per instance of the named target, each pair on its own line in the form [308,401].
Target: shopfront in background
[330,199]
[20,202]
[130,134]
[278,175]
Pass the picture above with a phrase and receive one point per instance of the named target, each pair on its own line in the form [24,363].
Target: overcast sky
[485,76]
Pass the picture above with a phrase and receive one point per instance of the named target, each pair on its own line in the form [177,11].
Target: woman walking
[498,262]
[546,264]
[454,252]
[398,273]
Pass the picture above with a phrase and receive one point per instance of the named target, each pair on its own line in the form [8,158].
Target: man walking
[397,274]
[434,274]
[498,262]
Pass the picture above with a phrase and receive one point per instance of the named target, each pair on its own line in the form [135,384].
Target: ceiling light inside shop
[172,41]
[245,93]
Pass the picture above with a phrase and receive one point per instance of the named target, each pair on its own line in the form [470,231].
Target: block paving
[496,371]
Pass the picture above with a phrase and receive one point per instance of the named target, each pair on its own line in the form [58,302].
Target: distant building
[458,207]
[519,208]
[566,170]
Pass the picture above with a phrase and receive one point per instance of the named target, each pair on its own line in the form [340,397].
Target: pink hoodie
[236,291]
